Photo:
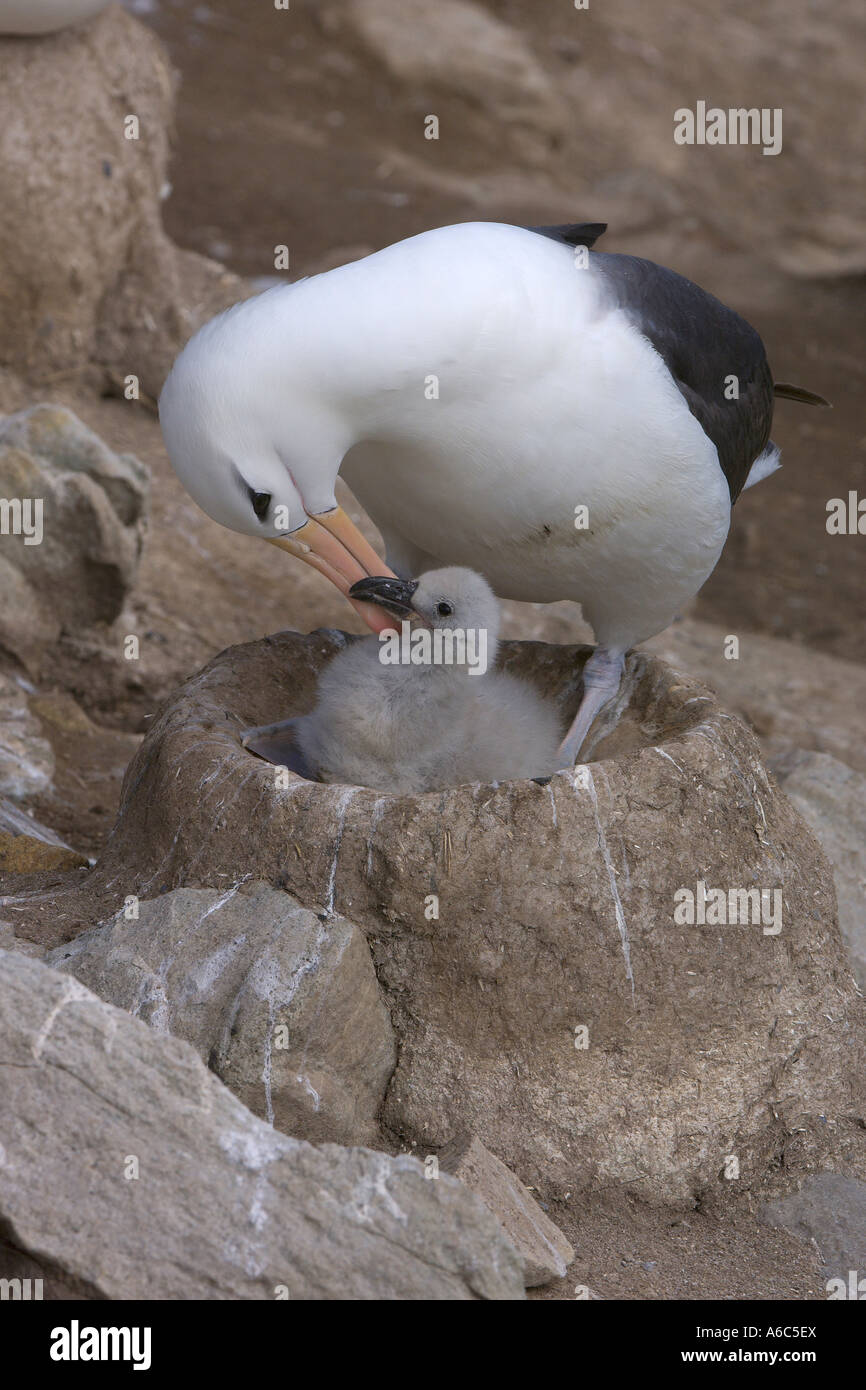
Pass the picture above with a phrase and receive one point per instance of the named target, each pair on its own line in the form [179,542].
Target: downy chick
[412,728]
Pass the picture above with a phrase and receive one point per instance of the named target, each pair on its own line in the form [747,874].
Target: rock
[26,758]
[830,1210]
[25,854]
[647,65]
[45,16]
[10,942]
[87,537]
[14,1264]
[545,1252]
[88,274]
[465,50]
[15,821]
[28,847]
[282,1005]
[152,1181]
[61,713]
[543,994]
[831,798]
[62,444]
[789,699]
[621,69]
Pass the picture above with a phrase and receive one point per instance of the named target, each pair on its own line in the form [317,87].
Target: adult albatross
[572,424]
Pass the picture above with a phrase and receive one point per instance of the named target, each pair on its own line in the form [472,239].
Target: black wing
[573,233]
[785,391]
[703,344]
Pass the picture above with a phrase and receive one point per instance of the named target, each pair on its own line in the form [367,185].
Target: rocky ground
[544,118]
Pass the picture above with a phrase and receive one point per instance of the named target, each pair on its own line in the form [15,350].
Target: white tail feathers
[765,464]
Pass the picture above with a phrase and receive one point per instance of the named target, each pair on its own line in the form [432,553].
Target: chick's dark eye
[444,609]
[261,501]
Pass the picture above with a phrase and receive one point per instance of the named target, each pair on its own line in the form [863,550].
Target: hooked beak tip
[392,594]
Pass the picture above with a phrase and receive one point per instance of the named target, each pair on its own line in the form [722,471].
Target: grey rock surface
[282,1004]
[26,757]
[831,1210]
[132,1171]
[90,529]
[464,49]
[16,821]
[545,1252]
[91,282]
[831,798]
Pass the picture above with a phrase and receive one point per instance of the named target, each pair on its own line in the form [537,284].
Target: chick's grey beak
[394,595]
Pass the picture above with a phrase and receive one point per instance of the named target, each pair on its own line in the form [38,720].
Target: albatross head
[262,461]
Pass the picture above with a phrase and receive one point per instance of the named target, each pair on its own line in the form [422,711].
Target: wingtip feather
[787,392]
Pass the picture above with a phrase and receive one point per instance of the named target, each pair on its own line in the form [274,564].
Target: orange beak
[333,545]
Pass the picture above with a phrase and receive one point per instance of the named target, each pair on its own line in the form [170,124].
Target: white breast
[554,402]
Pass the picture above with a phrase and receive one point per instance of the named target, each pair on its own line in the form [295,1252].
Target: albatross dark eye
[444,609]
[261,501]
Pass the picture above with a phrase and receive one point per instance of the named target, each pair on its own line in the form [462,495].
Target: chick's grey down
[412,729]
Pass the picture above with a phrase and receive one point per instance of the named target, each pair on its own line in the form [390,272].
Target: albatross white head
[261,463]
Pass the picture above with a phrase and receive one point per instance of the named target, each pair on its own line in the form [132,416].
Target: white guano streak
[342,807]
[587,782]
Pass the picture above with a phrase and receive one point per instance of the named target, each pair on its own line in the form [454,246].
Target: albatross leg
[601,679]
